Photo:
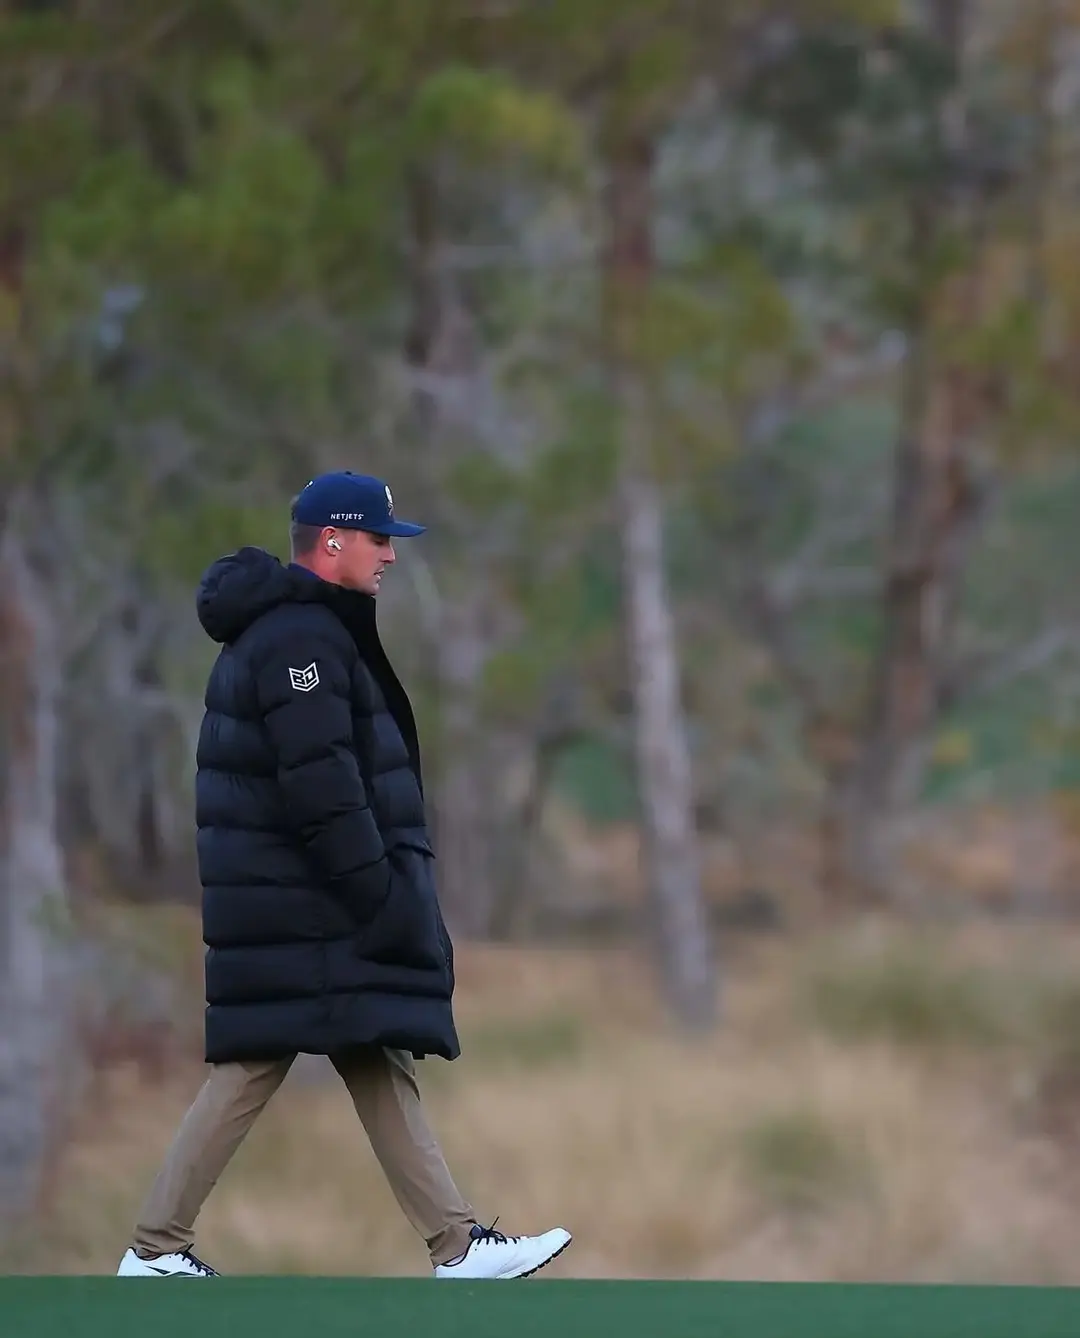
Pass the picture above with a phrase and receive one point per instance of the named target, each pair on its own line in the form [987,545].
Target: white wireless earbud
[333,543]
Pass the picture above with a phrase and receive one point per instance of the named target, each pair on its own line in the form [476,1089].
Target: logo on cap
[389,500]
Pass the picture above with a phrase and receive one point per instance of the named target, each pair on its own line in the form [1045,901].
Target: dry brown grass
[792,1145]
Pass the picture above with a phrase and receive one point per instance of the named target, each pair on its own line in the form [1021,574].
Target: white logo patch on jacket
[303,680]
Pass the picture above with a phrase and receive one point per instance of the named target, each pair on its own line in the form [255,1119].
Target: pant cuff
[450,1244]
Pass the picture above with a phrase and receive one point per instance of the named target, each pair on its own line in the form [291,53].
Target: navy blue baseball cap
[351,502]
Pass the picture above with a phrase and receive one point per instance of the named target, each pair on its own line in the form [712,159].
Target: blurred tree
[631,69]
[474,450]
[924,149]
[622,67]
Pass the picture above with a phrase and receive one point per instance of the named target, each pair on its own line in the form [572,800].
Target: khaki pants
[382,1084]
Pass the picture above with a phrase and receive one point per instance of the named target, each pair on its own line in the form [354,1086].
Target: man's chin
[363,587]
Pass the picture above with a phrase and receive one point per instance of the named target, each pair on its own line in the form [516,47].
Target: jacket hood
[240,587]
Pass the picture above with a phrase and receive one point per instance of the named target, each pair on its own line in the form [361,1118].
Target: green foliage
[102,219]
[40,156]
[799,1161]
[569,612]
[1019,584]
[249,220]
[1057,1042]
[728,317]
[486,113]
[245,175]
[919,996]
[187,538]
[892,82]
[597,779]
[566,479]
[908,995]
[482,483]
[28,40]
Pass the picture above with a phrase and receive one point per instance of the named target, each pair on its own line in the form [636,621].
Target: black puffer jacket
[320,916]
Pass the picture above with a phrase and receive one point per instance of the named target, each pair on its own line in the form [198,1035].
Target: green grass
[909,995]
[798,1161]
[285,1308]
[911,992]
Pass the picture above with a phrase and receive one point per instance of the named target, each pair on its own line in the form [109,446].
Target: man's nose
[389,555]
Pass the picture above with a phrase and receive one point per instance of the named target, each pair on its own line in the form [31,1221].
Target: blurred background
[731,352]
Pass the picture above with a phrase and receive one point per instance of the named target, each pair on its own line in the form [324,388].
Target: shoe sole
[550,1259]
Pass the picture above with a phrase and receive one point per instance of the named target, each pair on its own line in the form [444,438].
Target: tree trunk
[31,993]
[440,340]
[463,799]
[938,500]
[120,768]
[664,781]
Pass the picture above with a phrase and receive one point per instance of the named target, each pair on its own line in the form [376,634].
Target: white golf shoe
[493,1255]
[183,1264]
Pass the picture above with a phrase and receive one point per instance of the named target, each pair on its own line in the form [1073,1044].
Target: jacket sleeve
[305,701]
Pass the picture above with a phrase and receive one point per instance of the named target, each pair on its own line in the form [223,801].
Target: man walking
[320,915]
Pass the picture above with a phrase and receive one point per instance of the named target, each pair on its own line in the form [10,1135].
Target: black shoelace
[198,1264]
[489,1234]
